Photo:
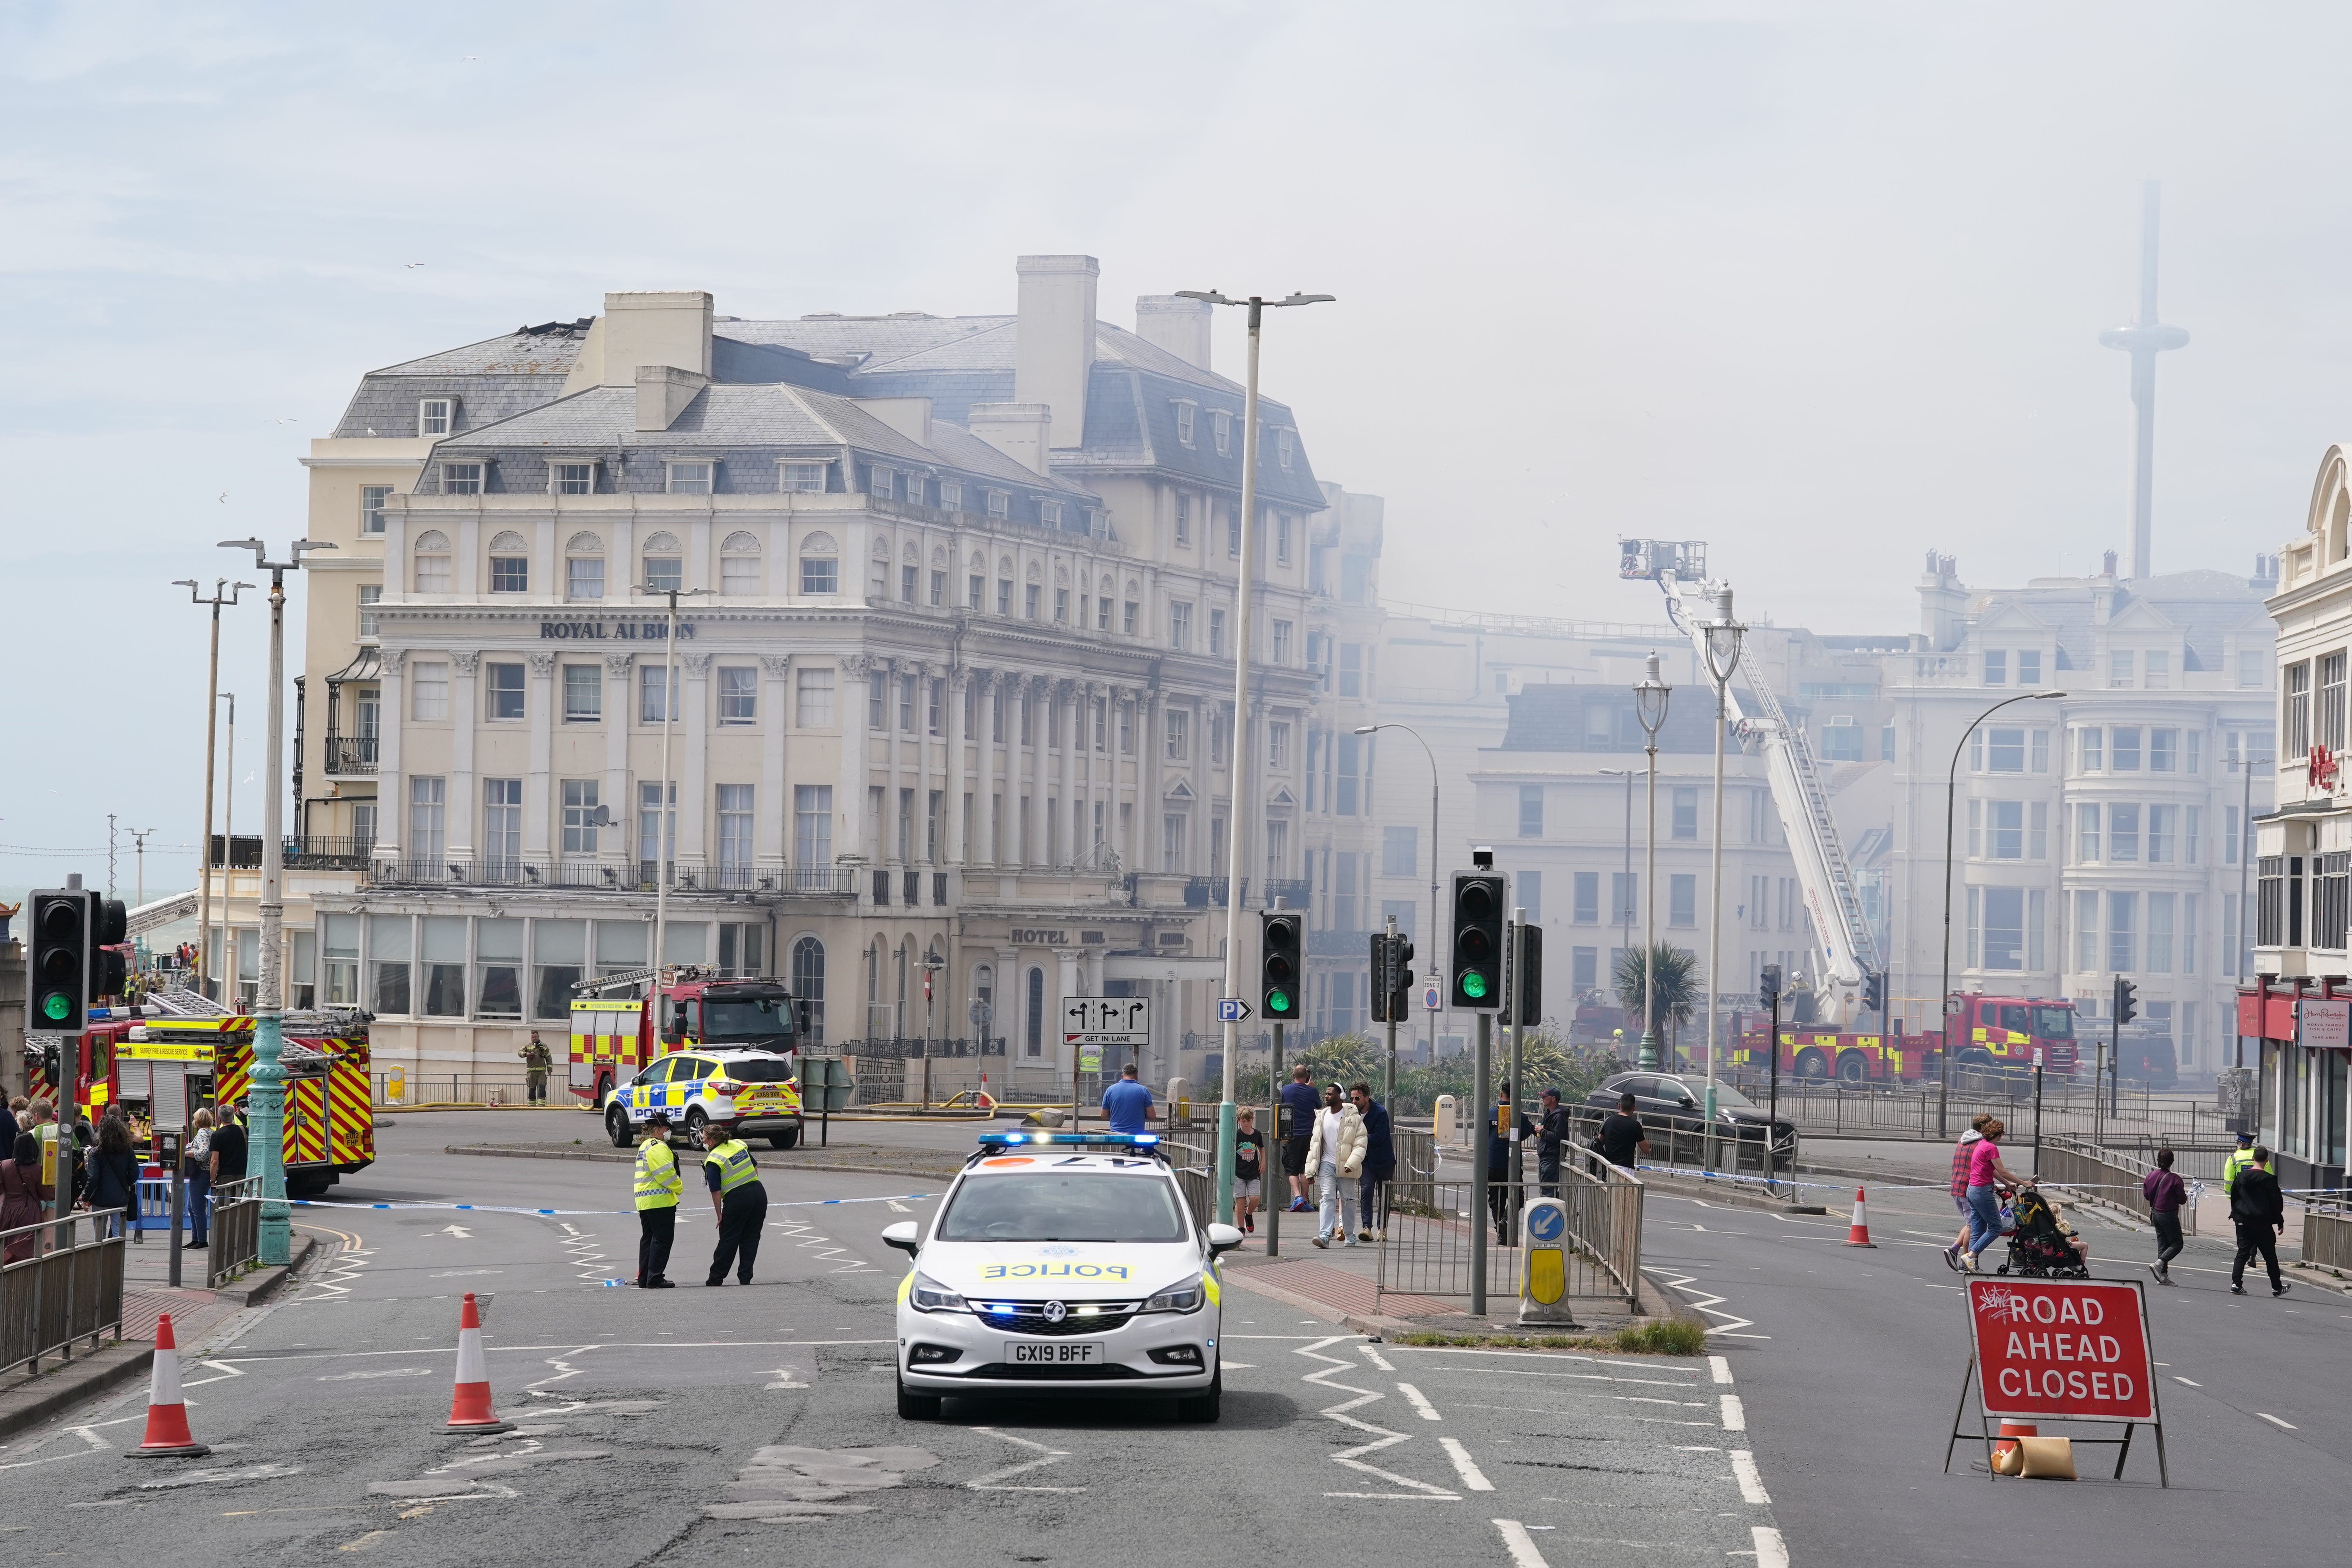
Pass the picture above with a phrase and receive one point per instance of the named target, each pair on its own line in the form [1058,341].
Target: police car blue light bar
[1095,1140]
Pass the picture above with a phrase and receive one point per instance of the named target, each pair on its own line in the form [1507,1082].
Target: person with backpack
[2165,1194]
[113,1175]
[2258,1209]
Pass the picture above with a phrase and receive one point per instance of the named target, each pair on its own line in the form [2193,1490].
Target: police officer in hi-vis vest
[736,1198]
[659,1187]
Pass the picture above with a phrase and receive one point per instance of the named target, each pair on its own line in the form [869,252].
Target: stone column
[850,784]
[465,667]
[772,842]
[1204,795]
[926,746]
[536,838]
[1060,852]
[620,850]
[894,673]
[391,788]
[1034,692]
[986,684]
[690,762]
[959,684]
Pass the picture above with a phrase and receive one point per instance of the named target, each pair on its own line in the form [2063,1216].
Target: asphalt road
[697,1426]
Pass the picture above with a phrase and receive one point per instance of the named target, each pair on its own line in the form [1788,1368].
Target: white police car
[1061,1264]
[753,1089]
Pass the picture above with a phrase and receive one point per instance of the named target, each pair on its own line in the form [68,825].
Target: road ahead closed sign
[2062,1348]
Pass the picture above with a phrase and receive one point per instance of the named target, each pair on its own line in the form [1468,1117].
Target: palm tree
[1677,983]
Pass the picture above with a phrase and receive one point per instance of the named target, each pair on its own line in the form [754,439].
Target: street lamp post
[1943,996]
[212,710]
[665,828]
[1234,837]
[2243,849]
[266,1101]
[1651,696]
[1724,636]
[1372,729]
[139,837]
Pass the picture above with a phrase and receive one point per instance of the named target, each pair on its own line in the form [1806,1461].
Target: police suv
[1061,1264]
[754,1089]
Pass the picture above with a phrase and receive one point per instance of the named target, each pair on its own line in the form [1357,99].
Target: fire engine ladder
[180,1003]
[670,975]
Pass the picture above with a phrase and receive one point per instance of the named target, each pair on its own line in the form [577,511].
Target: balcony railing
[352,756]
[527,871]
[313,853]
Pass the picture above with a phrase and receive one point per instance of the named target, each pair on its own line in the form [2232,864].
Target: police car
[754,1089]
[1061,1264]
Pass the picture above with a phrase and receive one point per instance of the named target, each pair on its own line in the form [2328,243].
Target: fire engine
[613,1036]
[1992,1032]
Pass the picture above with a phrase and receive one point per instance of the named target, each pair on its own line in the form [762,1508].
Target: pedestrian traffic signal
[1278,965]
[1523,1002]
[57,961]
[1768,983]
[1392,981]
[1477,967]
[1380,986]
[110,970]
[2127,1001]
[1873,991]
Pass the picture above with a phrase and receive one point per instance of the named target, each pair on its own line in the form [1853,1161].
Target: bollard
[1543,1274]
[1443,1129]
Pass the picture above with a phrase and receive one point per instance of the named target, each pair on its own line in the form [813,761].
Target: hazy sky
[1820,284]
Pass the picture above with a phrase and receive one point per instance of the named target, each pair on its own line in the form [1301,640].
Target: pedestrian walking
[2258,1209]
[737,1200]
[1127,1103]
[1552,1130]
[2167,1195]
[1304,1104]
[1621,1140]
[113,1176]
[1335,1153]
[1986,1173]
[1249,1170]
[658,1189]
[20,1194]
[1379,1166]
[196,1170]
[1960,1152]
[537,1060]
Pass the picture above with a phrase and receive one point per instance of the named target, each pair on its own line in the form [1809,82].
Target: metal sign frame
[1120,1021]
[1990,1410]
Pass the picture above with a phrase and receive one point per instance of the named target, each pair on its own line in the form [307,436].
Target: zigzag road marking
[802,1233]
[1381,1437]
[993,1481]
[1706,1304]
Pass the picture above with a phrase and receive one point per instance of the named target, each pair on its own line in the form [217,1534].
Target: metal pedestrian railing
[1432,1233]
[406,1087]
[2104,1174]
[235,1240]
[1910,1110]
[69,1289]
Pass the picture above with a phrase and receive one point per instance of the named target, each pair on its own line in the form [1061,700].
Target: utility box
[1543,1279]
[1179,1105]
[1443,1129]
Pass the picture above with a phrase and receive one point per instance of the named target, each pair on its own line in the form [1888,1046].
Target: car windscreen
[746,1018]
[1046,1207]
[2054,1023]
[757,1070]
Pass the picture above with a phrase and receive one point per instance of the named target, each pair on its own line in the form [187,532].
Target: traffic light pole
[1269,1163]
[1483,1083]
[212,725]
[1512,988]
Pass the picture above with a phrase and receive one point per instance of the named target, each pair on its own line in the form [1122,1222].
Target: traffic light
[1873,991]
[1392,981]
[1768,983]
[1278,965]
[1478,968]
[2127,1001]
[57,961]
[1523,1003]
[109,971]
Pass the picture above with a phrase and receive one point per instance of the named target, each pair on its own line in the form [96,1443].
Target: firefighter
[536,1061]
[737,1199]
[658,1189]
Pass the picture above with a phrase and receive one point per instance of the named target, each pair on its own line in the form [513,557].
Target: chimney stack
[1054,352]
[1179,325]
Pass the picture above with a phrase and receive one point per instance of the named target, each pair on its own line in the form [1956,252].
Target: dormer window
[436,416]
[1000,504]
[879,481]
[914,489]
[951,495]
[690,479]
[1049,512]
[461,479]
[803,478]
[572,478]
[1286,442]
[1185,409]
[1224,432]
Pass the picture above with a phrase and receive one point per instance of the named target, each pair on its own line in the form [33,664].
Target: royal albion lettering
[622,631]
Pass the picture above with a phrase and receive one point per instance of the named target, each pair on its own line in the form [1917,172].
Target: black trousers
[1373,1201]
[1498,1203]
[1548,1174]
[2255,1236]
[740,1216]
[2167,1235]
[657,1228]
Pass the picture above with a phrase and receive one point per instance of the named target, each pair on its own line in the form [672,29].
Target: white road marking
[388,1371]
[1381,1437]
[2286,1426]
[95,1445]
[2177,1378]
[788,1377]
[1735,1415]
[1420,1401]
[213,1478]
[897,1208]
[459,1231]
[992,1481]
[1519,1544]
[1708,1303]
[1751,1484]
[1465,1466]
[1771,1552]
[1372,1353]
[463,1273]
[1722,1366]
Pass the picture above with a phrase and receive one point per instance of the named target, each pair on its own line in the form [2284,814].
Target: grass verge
[1672,1336]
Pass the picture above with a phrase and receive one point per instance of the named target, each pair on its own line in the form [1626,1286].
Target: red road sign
[2062,1349]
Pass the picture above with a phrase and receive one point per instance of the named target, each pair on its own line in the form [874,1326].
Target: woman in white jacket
[1335,1153]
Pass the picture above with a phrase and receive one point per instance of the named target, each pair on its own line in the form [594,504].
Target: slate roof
[491,379]
[2203,605]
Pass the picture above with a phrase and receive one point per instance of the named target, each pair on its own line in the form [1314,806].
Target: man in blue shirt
[1126,1102]
[1304,1103]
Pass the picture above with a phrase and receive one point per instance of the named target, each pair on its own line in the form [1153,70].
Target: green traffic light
[1277,1001]
[56,1006]
[1473,985]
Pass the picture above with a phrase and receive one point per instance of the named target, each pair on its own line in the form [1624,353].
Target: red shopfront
[2304,1027]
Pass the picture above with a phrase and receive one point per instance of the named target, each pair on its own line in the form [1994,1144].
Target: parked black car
[1671,1101]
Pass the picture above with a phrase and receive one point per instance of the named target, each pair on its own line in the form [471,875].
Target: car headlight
[929,1296]
[1184,1298]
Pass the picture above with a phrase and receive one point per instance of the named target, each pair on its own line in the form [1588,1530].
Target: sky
[1819,284]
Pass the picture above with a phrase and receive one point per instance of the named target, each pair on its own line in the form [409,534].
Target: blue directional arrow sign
[1231,1010]
[1545,1221]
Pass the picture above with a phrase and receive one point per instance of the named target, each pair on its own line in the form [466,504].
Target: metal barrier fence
[236,1240]
[1909,1111]
[2102,1174]
[70,1288]
[463,1088]
[2328,1237]
[1430,1237]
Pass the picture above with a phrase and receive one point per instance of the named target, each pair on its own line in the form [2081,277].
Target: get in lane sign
[2062,1349]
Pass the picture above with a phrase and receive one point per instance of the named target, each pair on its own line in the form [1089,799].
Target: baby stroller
[2041,1245]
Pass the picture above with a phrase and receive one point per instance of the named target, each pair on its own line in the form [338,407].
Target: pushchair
[2041,1245]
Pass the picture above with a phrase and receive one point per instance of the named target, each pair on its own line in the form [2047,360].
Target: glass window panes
[734,834]
[371,503]
[813,699]
[738,573]
[804,478]
[689,478]
[426,803]
[339,978]
[651,829]
[656,682]
[498,968]
[820,574]
[576,479]
[505,683]
[433,415]
[812,827]
[584,577]
[432,572]
[559,956]
[581,812]
[443,970]
[664,573]
[583,693]
[739,688]
[370,595]
[622,945]
[502,822]
[390,942]
[461,479]
[686,942]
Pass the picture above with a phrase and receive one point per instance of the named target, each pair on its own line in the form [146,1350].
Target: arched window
[808,984]
[820,572]
[432,553]
[665,562]
[1033,1026]
[739,564]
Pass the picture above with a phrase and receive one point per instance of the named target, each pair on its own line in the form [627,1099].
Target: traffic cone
[469,1407]
[1858,1233]
[168,1436]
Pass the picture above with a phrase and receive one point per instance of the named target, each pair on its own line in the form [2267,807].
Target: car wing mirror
[906,1235]
[1222,1238]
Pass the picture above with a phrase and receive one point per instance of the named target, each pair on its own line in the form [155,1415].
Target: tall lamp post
[1247,574]
[2244,850]
[1943,996]
[1373,729]
[1651,696]
[666,830]
[212,711]
[1724,636]
[266,1101]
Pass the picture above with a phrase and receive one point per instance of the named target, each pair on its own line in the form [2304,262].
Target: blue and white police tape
[501,1208]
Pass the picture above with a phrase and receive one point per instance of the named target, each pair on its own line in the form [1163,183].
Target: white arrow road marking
[897,1208]
[1751,1484]
[1382,1437]
[993,1481]
[1465,1466]
[1520,1545]
[788,1377]
[459,1231]
[1420,1402]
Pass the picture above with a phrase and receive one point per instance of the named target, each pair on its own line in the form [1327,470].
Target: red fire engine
[1992,1032]
[611,1037]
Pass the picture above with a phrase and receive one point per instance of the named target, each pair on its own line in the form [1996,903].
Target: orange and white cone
[168,1436]
[469,1407]
[1858,1233]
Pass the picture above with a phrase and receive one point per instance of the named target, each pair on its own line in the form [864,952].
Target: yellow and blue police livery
[753,1089]
[1061,1264]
